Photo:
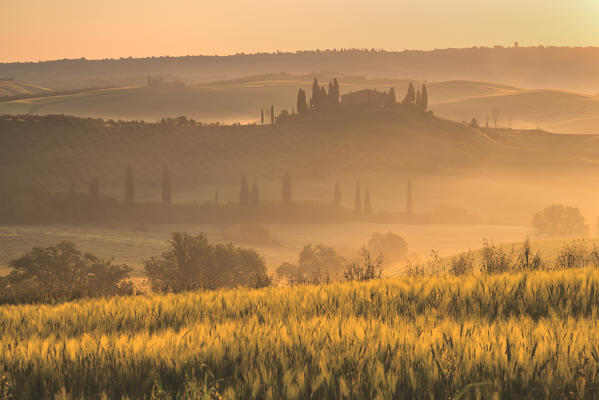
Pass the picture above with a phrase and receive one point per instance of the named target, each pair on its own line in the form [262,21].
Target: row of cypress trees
[251,196]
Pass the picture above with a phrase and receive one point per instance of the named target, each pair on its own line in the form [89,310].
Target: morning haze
[277,200]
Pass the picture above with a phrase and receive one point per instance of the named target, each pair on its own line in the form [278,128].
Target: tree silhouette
[337,194]
[409,205]
[424,98]
[358,200]
[244,192]
[166,187]
[391,96]
[262,116]
[367,205]
[418,98]
[315,93]
[335,97]
[255,194]
[286,195]
[410,95]
[129,187]
[302,106]
[272,114]
[94,187]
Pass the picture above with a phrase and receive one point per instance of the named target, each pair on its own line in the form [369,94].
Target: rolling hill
[12,88]
[503,174]
[241,100]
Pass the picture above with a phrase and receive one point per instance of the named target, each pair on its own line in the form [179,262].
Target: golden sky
[32,30]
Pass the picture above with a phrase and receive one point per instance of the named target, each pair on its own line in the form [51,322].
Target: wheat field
[527,335]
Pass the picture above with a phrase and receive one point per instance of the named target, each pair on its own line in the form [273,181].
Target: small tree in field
[244,192]
[94,187]
[337,194]
[286,194]
[558,221]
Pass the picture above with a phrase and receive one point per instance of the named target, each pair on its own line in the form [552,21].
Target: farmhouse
[364,98]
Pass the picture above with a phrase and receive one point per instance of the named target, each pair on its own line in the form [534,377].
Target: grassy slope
[11,88]
[452,163]
[527,335]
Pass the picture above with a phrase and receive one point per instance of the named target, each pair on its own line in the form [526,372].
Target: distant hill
[568,68]
[485,171]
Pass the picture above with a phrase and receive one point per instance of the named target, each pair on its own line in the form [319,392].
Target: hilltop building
[364,98]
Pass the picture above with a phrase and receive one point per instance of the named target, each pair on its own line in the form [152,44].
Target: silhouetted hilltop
[571,68]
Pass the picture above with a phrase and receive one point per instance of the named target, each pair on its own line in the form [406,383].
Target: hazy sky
[32,30]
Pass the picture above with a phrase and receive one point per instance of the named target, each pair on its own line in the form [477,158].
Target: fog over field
[299,200]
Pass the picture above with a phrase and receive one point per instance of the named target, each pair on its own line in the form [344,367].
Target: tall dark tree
[391,96]
[302,106]
[323,96]
[331,94]
[409,204]
[315,93]
[129,186]
[255,195]
[335,92]
[244,192]
[94,187]
[262,116]
[367,205]
[166,187]
[358,200]
[337,194]
[418,103]
[424,98]
[286,195]
[272,114]
[410,95]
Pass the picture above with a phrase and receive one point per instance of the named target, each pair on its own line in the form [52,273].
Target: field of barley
[526,335]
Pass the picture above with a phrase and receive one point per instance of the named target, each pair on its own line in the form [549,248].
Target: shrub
[191,262]
[253,234]
[527,260]
[494,259]
[393,246]
[364,268]
[62,272]
[573,255]
[461,264]
[558,220]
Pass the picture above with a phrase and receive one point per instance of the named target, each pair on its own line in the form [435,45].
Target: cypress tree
[94,187]
[424,98]
[286,195]
[337,194]
[244,192]
[392,96]
[410,95]
[367,205]
[358,200]
[302,107]
[409,205]
[129,187]
[418,103]
[166,187]
[315,93]
[336,91]
[255,194]
[331,94]
[272,114]
[323,96]
[262,116]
